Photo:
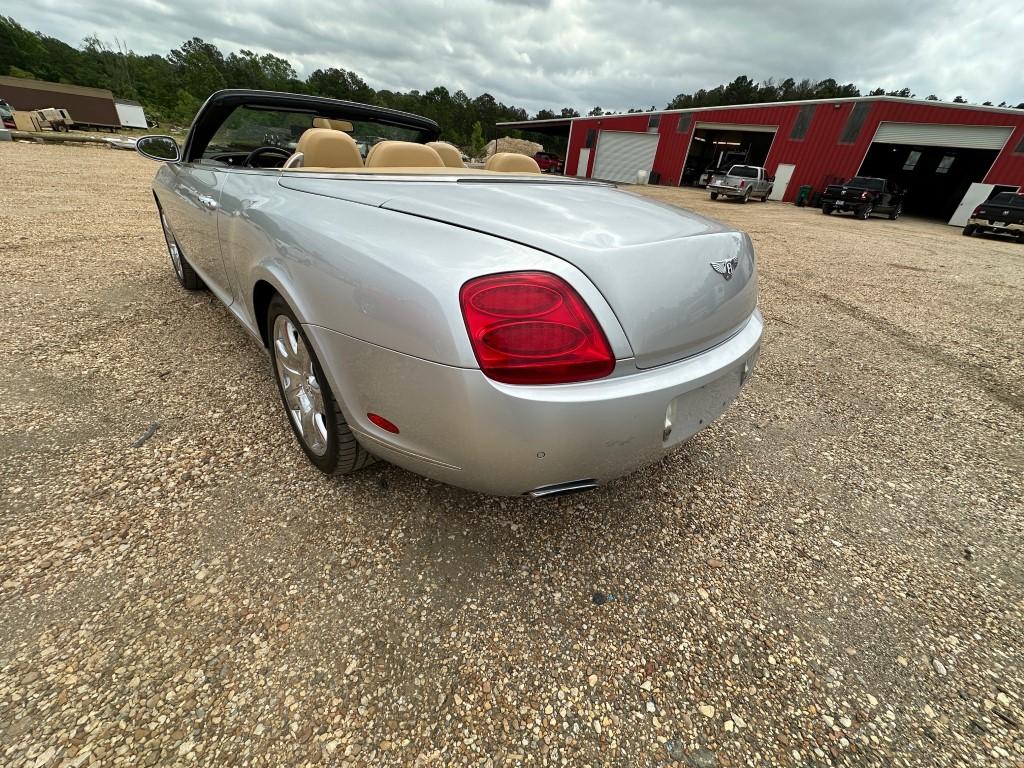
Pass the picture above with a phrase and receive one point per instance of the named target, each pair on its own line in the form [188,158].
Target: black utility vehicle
[1002,215]
[863,195]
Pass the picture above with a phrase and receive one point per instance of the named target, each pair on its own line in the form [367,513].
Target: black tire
[896,212]
[187,276]
[343,454]
[968,230]
[714,195]
[865,211]
[826,208]
[746,197]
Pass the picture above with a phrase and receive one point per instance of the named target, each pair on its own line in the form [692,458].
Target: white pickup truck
[742,182]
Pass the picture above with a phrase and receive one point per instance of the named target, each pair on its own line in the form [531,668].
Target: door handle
[208,203]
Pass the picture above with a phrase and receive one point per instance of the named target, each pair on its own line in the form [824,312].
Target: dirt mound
[519,146]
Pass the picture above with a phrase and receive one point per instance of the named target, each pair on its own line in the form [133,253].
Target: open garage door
[927,135]
[935,164]
[621,154]
[717,146]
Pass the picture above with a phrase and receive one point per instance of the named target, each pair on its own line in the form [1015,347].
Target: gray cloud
[554,53]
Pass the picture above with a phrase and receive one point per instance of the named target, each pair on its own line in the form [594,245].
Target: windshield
[246,129]
[746,171]
[1008,198]
[864,182]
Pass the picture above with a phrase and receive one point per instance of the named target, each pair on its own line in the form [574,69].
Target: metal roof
[553,126]
[767,104]
[43,85]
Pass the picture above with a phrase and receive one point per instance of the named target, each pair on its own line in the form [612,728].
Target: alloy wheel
[302,393]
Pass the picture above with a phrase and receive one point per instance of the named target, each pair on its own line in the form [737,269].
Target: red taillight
[977,211]
[742,184]
[533,328]
[863,195]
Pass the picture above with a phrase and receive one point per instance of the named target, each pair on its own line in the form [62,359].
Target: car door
[885,197]
[192,210]
[762,182]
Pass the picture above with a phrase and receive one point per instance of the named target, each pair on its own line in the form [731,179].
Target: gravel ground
[830,575]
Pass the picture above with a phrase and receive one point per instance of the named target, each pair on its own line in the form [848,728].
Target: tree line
[743,90]
[171,87]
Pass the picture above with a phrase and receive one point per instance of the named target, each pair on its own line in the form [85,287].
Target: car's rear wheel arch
[335,449]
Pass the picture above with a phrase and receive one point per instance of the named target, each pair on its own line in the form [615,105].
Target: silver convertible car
[492,328]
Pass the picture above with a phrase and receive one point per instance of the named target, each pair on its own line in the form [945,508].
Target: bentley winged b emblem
[727,267]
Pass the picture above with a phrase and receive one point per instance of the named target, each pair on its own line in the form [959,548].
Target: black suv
[863,195]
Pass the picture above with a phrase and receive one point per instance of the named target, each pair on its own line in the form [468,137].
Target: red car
[549,162]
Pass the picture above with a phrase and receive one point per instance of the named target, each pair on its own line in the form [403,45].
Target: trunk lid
[677,282]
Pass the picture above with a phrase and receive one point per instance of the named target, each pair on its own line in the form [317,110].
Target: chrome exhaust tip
[562,489]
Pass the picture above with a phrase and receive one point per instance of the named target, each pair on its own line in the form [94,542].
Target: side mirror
[162,148]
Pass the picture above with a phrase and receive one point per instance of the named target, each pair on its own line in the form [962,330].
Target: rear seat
[402,154]
[511,162]
[449,153]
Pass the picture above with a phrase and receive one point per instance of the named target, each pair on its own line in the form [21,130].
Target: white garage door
[926,135]
[620,154]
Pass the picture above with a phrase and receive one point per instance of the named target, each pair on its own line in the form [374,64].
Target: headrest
[402,154]
[327,122]
[328,148]
[450,155]
[511,162]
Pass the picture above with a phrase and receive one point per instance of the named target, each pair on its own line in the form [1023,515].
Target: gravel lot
[830,575]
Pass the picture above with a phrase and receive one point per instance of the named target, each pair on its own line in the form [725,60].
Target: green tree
[339,84]
[199,67]
[476,140]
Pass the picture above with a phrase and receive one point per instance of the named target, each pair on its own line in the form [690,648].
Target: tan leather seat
[511,162]
[450,154]
[328,148]
[337,125]
[402,154]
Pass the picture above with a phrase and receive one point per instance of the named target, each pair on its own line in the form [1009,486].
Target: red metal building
[944,154]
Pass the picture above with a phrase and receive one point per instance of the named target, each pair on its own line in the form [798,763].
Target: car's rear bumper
[846,205]
[985,225]
[460,427]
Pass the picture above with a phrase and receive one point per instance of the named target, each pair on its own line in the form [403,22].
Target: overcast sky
[582,53]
